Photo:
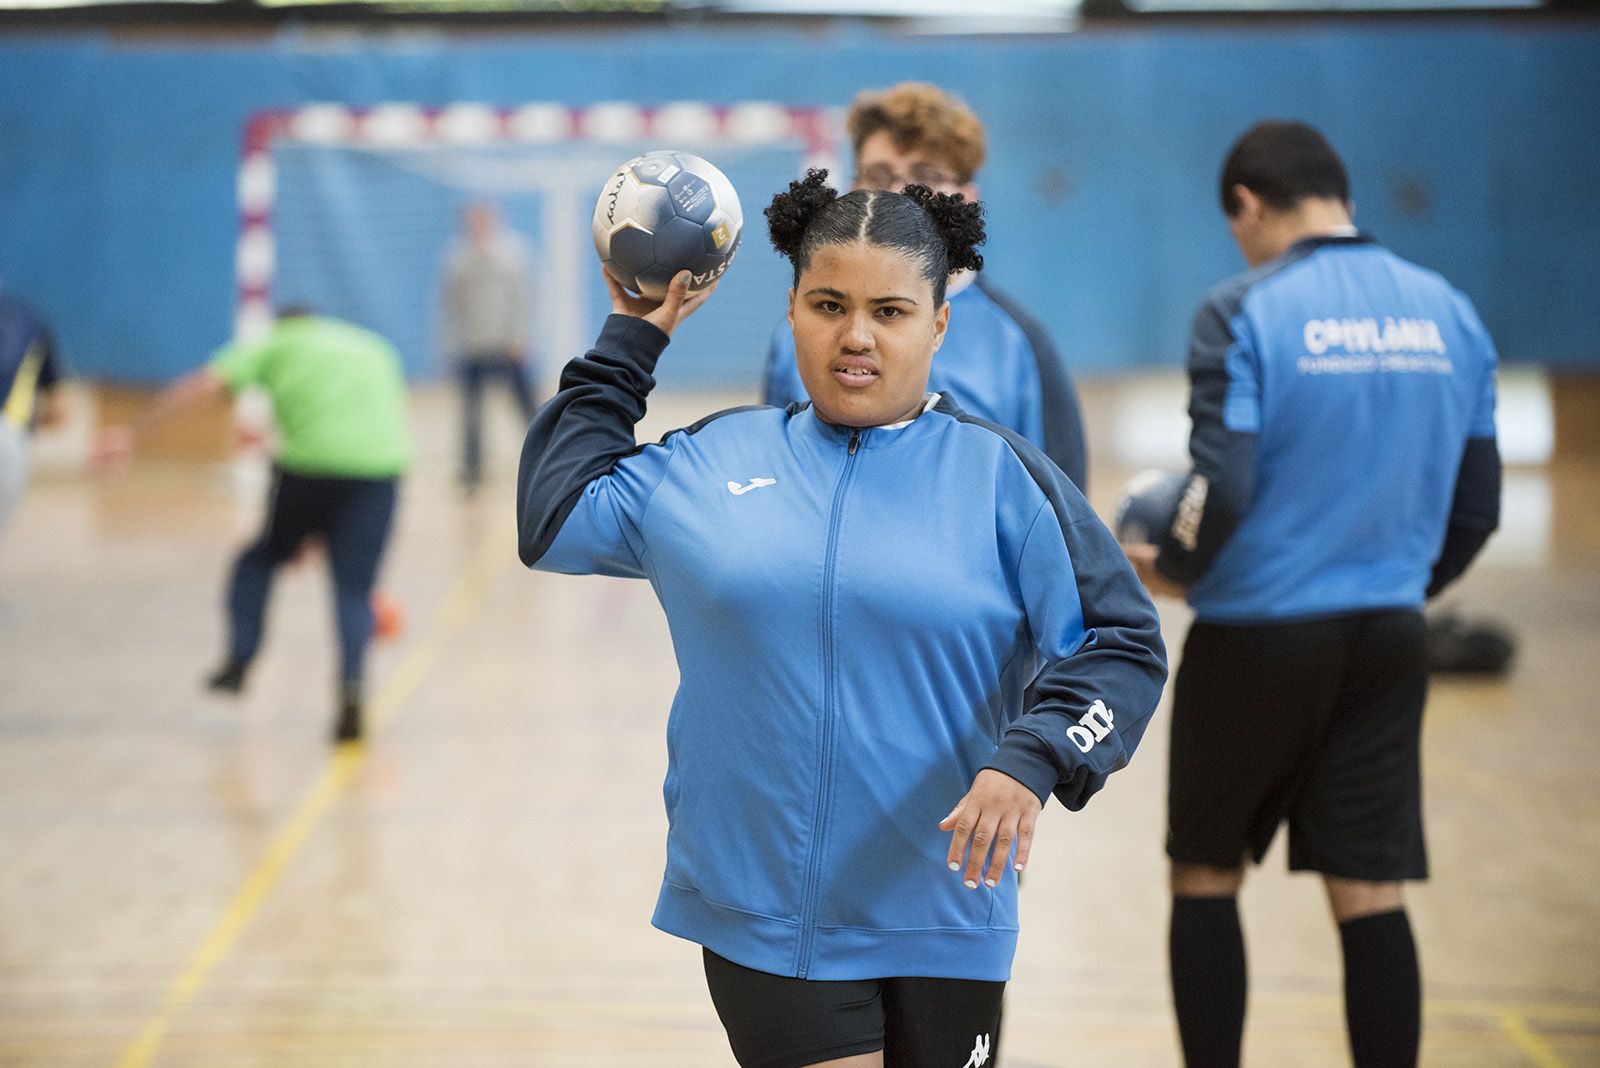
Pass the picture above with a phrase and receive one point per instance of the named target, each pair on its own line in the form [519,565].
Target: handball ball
[1149,505]
[665,212]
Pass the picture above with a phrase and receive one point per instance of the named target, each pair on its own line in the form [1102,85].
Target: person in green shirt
[339,401]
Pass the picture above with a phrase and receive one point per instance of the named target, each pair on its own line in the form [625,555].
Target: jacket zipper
[819,815]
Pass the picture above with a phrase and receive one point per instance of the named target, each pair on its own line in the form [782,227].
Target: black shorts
[1319,723]
[774,1021]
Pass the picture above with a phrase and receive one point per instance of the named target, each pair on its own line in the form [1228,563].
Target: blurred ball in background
[1148,506]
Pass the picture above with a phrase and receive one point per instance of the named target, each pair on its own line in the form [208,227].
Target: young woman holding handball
[860,590]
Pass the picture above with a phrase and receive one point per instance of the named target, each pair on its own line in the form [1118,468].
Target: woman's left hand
[996,813]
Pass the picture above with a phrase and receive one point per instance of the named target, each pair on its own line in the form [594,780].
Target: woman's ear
[941,323]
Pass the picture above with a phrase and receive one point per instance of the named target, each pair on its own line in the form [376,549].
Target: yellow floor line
[1545,1012]
[1537,1049]
[342,766]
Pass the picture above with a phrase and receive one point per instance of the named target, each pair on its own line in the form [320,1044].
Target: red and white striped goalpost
[399,127]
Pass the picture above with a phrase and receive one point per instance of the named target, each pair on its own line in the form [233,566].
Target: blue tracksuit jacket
[1344,440]
[996,362]
[856,615]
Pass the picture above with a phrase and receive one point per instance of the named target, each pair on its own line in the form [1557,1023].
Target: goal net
[354,212]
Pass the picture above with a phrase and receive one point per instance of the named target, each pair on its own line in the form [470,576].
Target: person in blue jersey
[1344,470]
[29,373]
[859,589]
[997,361]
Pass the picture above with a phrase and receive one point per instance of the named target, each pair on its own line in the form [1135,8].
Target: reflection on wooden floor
[197,882]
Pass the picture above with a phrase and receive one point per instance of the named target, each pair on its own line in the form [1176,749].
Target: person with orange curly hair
[997,362]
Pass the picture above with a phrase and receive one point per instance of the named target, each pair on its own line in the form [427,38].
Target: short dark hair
[941,232]
[1283,163]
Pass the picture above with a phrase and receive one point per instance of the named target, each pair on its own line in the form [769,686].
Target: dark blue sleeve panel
[1474,512]
[1222,445]
[1063,416]
[24,335]
[766,372]
[780,380]
[1101,638]
[585,429]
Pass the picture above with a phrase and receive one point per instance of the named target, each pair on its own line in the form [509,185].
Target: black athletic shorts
[774,1021]
[1319,723]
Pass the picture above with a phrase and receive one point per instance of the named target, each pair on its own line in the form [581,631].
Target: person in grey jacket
[488,302]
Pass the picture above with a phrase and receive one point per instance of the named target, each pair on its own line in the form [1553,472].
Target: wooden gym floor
[191,881]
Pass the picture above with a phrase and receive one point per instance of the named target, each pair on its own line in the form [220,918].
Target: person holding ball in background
[1345,470]
[860,589]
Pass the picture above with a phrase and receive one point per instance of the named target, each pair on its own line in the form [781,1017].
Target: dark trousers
[475,369]
[352,516]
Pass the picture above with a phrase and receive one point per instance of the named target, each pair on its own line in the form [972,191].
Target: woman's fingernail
[954,866]
[971,885]
[989,882]
[1019,867]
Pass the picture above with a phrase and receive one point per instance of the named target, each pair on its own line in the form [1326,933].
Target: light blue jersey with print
[1351,380]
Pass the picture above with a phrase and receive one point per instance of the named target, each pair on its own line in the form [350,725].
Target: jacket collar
[1316,241]
[804,418]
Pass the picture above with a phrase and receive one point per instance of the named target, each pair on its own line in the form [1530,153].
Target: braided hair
[939,232]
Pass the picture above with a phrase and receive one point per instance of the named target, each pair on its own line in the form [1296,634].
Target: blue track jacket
[856,614]
[1344,440]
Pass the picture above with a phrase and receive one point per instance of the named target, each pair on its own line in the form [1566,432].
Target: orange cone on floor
[388,616]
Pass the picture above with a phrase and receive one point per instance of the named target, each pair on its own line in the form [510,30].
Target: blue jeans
[353,516]
[474,370]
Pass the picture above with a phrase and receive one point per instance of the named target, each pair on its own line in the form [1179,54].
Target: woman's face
[865,331]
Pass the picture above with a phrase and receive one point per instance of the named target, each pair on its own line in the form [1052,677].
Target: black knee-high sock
[1382,990]
[1209,980]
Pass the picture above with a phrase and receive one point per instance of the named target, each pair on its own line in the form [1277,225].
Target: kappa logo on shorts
[980,1053]
[755,483]
[1092,727]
